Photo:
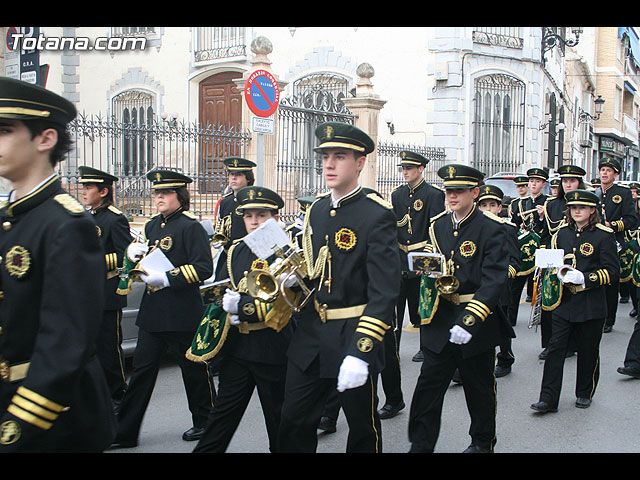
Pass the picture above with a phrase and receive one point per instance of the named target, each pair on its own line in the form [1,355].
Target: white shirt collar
[335,202]
[12,195]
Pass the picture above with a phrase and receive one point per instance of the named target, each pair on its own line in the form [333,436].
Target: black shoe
[473,448]
[608,328]
[418,357]
[543,407]
[194,433]
[327,425]
[543,354]
[501,371]
[629,371]
[634,312]
[624,300]
[390,411]
[583,402]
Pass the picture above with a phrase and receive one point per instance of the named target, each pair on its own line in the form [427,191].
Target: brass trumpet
[448,283]
[264,284]
[222,231]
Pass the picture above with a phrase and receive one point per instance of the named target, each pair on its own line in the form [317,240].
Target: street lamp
[585,116]
[550,39]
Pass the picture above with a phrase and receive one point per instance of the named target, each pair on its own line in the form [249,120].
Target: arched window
[133,110]
[498,123]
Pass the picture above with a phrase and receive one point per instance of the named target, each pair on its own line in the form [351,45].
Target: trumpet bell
[447,284]
[261,284]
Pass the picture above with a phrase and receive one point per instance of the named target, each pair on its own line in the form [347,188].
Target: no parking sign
[262,93]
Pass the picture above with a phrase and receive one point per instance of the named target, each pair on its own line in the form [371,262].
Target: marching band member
[490,200]
[53,395]
[590,249]
[464,326]
[254,352]
[171,308]
[619,214]
[115,236]
[350,245]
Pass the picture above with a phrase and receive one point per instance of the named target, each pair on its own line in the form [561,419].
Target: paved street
[611,424]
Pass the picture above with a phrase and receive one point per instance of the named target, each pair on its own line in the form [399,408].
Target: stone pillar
[266,143]
[366,106]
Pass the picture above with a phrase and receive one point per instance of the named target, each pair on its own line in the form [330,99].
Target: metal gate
[130,150]
[315,99]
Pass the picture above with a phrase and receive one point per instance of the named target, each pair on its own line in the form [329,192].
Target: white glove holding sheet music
[136,250]
[288,282]
[155,278]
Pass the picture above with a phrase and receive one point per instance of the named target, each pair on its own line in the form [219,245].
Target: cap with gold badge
[538,173]
[304,202]
[460,176]
[571,171]
[490,192]
[521,180]
[93,175]
[238,164]
[258,197]
[610,162]
[168,179]
[554,182]
[343,135]
[582,197]
[411,159]
[26,101]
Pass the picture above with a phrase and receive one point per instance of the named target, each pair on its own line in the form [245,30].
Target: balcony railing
[211,43]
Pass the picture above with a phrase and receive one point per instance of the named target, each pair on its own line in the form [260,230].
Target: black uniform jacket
[414,207]
[115,236]
[619,210]
[185,243]
[266,345]
[52,277]
[554,214]
[481,257]
[363,272]
[513,251]
[596,257]
[532,221]
[227,208]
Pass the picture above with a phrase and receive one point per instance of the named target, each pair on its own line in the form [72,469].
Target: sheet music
[549,258]
[267,239]
[157,261]
[208,226]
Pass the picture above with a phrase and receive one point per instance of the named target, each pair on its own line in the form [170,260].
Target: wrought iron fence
[130,151]
[389,174]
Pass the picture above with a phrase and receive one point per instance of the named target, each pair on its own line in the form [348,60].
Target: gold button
[332,213]
[162,225]
[455,233]
[6,226]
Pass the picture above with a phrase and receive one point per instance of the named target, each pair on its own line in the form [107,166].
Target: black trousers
[479,384]
[611,292]
[305,398]
[632,355]
[517,285]
[109,351]
[586,340]
[237,381]
[150,350]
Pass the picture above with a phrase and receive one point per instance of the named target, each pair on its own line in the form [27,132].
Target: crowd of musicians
[327,338]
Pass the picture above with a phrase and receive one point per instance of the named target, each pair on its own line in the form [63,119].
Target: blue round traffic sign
[262,93]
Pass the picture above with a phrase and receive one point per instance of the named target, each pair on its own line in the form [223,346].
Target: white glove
[155,278]
[234,319]
[230,301]
[136,250]
[353,373]
[459,335]
[288,282]
[573,276]
[217,245]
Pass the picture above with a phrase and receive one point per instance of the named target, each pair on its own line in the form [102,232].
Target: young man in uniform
[171,308]
[255,349]
[350,246]
[467,323]
[53,394]
[414,203]
[619,214]
[115,235]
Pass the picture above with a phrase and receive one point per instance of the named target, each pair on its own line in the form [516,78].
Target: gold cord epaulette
[72,205]
[604,227]
[188,214]
[379,200]
[114,210]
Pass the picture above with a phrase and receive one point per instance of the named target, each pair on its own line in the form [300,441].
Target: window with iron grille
[133,109]
[219,42]
[498,123]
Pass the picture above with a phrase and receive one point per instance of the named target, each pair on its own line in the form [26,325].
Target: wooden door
[221,109]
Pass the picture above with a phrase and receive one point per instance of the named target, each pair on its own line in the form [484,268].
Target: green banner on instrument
[210,335]
[429,298]
[626,261]
[529,243]
[551,290]
[124,287]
